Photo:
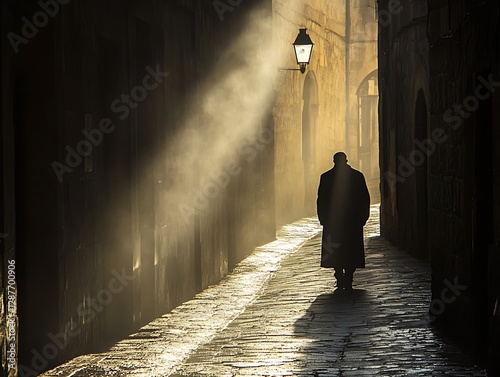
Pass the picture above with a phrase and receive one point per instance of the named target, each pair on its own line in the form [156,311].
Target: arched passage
[368,125]
[368,145]
[309,117]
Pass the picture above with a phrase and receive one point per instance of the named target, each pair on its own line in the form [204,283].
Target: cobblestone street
[278,314]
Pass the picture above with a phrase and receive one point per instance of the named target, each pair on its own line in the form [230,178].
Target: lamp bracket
[302,69]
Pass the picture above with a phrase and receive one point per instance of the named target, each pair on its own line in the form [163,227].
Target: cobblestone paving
[279,314]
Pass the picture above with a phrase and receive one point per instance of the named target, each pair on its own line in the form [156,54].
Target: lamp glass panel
[303,53]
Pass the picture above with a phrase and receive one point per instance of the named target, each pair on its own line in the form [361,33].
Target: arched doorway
[368,125]
[422,178]
[368,145]
[309,117]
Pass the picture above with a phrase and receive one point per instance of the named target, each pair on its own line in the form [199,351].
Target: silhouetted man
[343,207]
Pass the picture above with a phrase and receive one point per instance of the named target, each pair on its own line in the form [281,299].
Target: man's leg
[339,275]
[349,272]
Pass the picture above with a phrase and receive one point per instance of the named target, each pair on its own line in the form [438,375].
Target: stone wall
[464,201]
[439,156]
[404,68]
[178,186]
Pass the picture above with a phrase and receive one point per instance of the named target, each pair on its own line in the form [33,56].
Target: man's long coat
[343,207]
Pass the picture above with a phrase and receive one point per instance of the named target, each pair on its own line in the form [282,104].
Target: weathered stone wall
[463,201]
[445,205]
[149,217]
[404,73]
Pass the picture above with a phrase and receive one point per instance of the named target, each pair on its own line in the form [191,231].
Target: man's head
[340,158]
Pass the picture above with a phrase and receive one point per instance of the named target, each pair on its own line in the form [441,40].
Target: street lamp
[303,49]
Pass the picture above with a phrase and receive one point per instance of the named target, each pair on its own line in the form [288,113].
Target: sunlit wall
[316,114]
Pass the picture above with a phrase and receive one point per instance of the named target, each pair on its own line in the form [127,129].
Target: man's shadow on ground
[342,327]
[327,327]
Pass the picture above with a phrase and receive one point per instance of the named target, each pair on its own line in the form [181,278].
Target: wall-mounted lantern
[303,49]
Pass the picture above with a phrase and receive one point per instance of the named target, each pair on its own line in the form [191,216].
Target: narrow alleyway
[277,315]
